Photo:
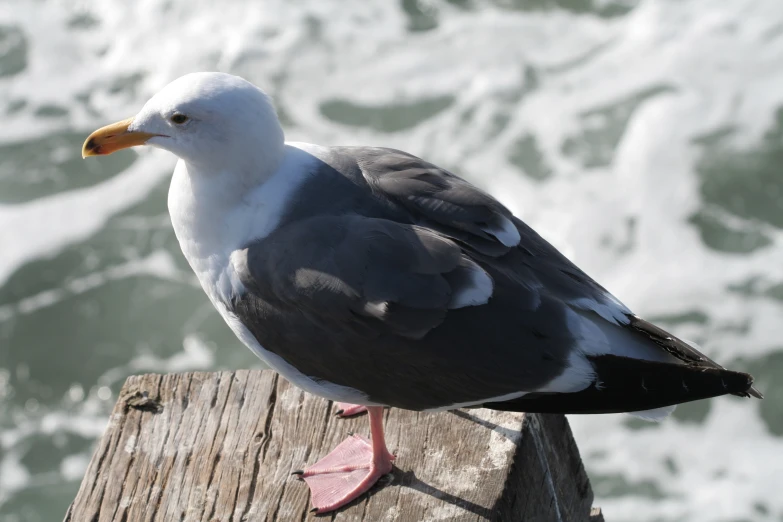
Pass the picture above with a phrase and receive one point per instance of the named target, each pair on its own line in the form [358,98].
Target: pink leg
[345,409]
[350,469]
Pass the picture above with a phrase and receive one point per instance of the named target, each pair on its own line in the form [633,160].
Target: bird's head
[207,119]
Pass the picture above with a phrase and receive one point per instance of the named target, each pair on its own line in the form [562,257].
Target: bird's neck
[202,202]
[217,212]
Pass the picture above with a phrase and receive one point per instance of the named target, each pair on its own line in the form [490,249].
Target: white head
[210,120]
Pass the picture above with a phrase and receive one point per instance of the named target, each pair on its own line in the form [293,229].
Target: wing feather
[388,276]
[444,201]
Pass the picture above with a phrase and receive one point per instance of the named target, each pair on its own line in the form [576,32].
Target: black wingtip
[736,383]
[688,353]
[635,385]
[744,388]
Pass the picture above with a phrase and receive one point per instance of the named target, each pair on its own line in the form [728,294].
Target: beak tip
[88,149]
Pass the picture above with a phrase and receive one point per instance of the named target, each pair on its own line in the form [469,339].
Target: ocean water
[644,138]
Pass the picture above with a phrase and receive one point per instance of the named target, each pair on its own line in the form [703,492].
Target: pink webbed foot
[345,409]
[344,474]
[350,469]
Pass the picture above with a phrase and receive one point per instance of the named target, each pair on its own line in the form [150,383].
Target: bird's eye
[179,119]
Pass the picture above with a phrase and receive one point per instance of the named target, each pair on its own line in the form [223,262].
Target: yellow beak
[112,138]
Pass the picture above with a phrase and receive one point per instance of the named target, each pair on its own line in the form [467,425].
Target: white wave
[42,227]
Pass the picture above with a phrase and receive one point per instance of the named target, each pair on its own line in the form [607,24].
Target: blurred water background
[644,138]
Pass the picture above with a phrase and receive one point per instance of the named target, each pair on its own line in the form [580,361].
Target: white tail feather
[655,415]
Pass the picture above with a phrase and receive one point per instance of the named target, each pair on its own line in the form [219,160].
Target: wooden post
[221,447]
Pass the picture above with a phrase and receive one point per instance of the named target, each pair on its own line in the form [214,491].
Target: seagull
[374,278]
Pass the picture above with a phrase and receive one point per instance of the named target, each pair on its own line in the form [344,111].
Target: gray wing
[484,228]
[367,276]
[440,200]
[487,229]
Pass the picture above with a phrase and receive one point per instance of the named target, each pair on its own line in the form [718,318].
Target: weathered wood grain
[221,447]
